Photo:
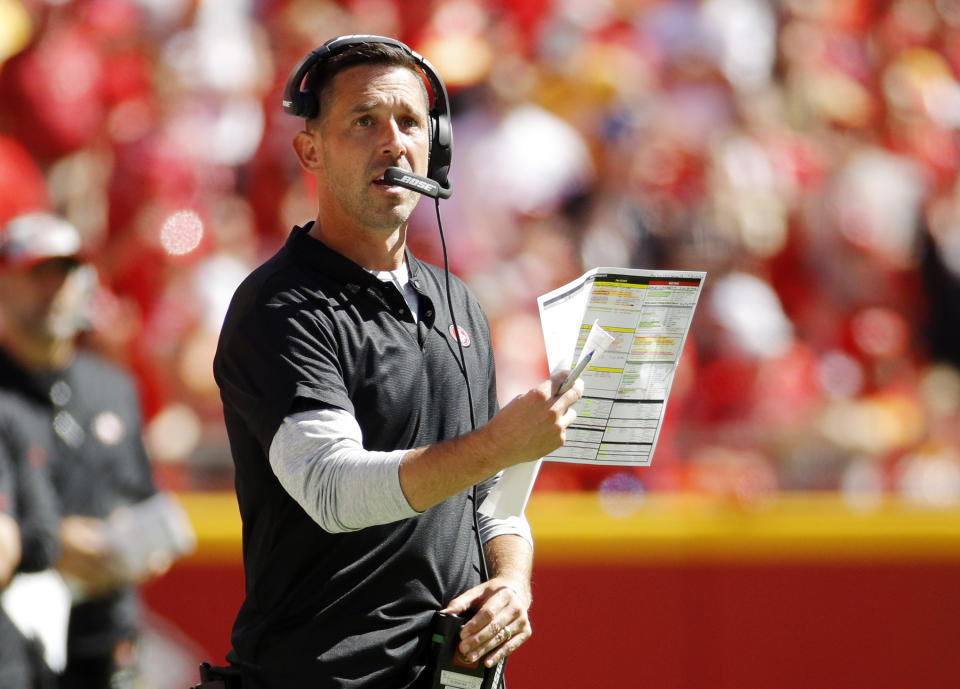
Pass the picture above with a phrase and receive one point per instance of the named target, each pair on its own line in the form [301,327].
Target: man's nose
[393,142]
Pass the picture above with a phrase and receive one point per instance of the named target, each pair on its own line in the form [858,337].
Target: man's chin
[396,216]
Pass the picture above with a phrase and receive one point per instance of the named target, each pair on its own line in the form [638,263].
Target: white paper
[148,535]
[510,495]
[598,341]
[142,539]
[626,388]
[627,382]
[39,605]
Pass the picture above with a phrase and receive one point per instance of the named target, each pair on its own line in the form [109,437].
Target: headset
[301,103]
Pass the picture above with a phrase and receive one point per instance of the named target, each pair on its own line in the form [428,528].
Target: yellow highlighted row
[620,284]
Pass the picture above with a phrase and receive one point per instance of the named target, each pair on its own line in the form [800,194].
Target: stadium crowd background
[803,152]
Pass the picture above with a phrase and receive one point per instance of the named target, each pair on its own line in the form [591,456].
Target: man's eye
[364,121]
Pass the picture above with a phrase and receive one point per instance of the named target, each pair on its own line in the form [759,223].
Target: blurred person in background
[349,420]
[28,536]
[13,664]
[98,460]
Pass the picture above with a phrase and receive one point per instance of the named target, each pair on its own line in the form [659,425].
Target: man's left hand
[500,623]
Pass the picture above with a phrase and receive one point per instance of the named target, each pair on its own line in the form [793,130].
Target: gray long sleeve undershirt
[319,458]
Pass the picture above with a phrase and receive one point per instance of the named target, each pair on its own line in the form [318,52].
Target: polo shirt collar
[311,253]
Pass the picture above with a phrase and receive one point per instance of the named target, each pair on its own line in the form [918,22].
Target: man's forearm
[429,475]
[500,623]
[529,427]
[510,558]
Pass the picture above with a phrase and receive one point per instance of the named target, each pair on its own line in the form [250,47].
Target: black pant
[118,670]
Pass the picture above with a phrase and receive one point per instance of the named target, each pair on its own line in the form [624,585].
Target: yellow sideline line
[809,526]
[580,528]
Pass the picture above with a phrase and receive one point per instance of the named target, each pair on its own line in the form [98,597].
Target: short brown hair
[320,78]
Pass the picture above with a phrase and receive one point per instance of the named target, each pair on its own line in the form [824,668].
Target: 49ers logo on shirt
[460,334]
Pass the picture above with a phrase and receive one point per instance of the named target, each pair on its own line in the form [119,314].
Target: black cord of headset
[484,574]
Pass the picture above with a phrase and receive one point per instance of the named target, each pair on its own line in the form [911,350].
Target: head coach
[360,402]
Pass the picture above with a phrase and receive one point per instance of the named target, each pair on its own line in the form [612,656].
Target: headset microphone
[417,183]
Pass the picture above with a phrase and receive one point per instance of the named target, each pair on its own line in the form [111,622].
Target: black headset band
[304,104]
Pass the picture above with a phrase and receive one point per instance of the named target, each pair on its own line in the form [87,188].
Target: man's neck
[365,248]
[38,353]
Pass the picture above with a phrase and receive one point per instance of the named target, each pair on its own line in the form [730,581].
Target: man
[98,462]
[28,532]
[349,419]
[14,666]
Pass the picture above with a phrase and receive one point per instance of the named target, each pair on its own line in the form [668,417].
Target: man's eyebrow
[374,103]
[364,106]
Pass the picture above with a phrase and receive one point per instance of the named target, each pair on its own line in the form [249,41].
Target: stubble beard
[370,215]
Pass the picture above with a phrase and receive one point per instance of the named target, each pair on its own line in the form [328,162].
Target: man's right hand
[534,424]
[531,426]
[85,555]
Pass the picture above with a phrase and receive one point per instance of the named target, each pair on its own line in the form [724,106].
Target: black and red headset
[301,103]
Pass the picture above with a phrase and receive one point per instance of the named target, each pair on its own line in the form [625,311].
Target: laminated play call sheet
[626,385]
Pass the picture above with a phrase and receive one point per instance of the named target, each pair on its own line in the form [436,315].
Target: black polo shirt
[311,329]
[97,463]
[26,495]
[26,491]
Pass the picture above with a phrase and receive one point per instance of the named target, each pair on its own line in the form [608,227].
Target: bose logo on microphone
[419,183]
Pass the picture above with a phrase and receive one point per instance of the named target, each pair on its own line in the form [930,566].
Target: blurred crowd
[803,152]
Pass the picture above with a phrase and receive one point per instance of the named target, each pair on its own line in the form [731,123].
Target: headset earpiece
[296,101]
[301,103]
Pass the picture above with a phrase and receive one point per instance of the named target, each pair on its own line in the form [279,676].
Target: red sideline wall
[685,593]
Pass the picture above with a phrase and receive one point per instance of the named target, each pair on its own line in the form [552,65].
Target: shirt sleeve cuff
[491,527]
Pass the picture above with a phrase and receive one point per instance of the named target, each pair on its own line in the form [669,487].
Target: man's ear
[306,144]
